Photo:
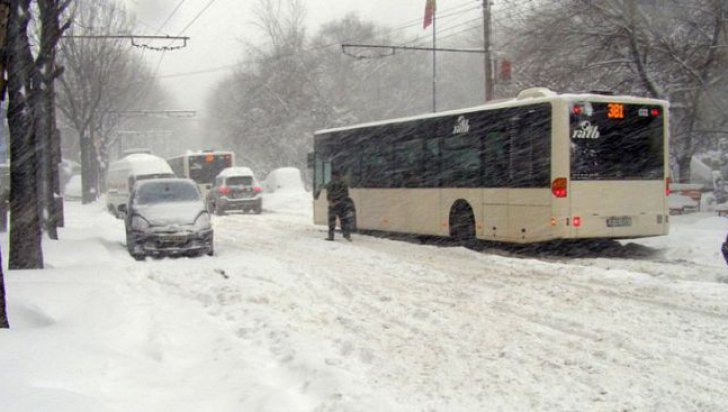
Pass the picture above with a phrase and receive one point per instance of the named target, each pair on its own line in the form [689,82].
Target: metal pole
[486,47]
[434,60]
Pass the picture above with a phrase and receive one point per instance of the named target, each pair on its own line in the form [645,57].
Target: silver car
[167,217]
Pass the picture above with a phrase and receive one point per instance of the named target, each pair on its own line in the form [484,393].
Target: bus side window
[497,155]
[375,167]
[327,172]
[461,161]
[407,167]
[431,159]
[530,160]
[320,172]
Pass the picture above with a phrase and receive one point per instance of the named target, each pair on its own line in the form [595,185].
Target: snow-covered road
[282,320]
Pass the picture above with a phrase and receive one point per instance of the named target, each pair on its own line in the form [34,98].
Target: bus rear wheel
[462,224]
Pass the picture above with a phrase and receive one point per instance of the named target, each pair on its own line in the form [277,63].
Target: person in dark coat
[337,194]
[724,249]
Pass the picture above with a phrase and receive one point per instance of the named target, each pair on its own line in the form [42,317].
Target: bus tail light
[558,187]
[257,189]
[667,186]
[224,190]
[577,221]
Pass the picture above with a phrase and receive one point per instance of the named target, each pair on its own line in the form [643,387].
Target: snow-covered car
[73,189]
[680,203]
[235,188]
[283,179]
[167,217]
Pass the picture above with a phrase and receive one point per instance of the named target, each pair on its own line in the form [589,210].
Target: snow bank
[284,179]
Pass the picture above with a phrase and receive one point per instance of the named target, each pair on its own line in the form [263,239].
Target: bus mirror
[310,160]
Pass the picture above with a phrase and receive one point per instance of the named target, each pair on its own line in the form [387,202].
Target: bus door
[417,202]
[496,181]
[321,176]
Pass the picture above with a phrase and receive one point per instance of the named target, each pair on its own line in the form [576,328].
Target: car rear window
[239,181]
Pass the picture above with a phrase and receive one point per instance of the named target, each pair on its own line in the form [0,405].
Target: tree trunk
[51,31]
[87,158]
[58,212]
[25,228]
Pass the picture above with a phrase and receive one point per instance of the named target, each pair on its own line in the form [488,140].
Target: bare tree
[290,86]
[272,92]
[102,78]
[667,49]
[25,226]
[46,73]
[30,127]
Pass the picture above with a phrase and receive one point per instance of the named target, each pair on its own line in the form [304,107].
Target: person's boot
[347,237]
[331,235]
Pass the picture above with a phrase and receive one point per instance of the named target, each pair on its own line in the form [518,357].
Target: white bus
[540,167]
[202,167]
[123,173]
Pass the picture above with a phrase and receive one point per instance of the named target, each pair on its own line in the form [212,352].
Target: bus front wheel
[462,223]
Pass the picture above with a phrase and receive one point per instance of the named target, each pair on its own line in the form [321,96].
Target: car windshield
[163,192]
[239,181]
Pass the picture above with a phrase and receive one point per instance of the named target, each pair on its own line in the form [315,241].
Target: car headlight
[203,221]
[139,223]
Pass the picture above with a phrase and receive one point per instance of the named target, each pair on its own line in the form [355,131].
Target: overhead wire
[408,24]
[169,17]
[204,9]
[451,12]
[194,19]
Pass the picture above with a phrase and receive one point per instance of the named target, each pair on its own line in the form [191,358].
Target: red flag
[430,8]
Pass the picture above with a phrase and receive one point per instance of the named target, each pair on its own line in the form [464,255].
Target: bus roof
[202,152]
[528,96]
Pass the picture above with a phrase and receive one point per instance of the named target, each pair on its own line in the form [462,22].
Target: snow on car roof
[141,163]
[236,171]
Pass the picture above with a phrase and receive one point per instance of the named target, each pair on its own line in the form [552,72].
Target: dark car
[167,217]
[235,188]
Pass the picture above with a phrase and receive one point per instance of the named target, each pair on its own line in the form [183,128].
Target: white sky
[217,36]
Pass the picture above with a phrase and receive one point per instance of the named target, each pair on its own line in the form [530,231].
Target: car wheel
[129,243]
[130,246]
[219,211]
[211,251]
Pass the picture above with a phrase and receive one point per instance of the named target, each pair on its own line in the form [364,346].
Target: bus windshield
[617,141]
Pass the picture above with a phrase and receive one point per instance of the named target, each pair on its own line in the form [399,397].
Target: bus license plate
[619,221]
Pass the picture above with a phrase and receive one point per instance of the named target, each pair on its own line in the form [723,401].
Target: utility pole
[488,56]
[434,60]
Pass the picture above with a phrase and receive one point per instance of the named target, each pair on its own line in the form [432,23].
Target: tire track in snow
[450,280]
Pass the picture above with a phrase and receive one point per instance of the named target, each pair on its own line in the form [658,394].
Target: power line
[410,23]
[204,9]
[172,14]
[132,38]
[440,49]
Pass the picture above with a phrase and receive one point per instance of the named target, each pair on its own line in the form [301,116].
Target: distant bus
[202,167]
[539,167]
